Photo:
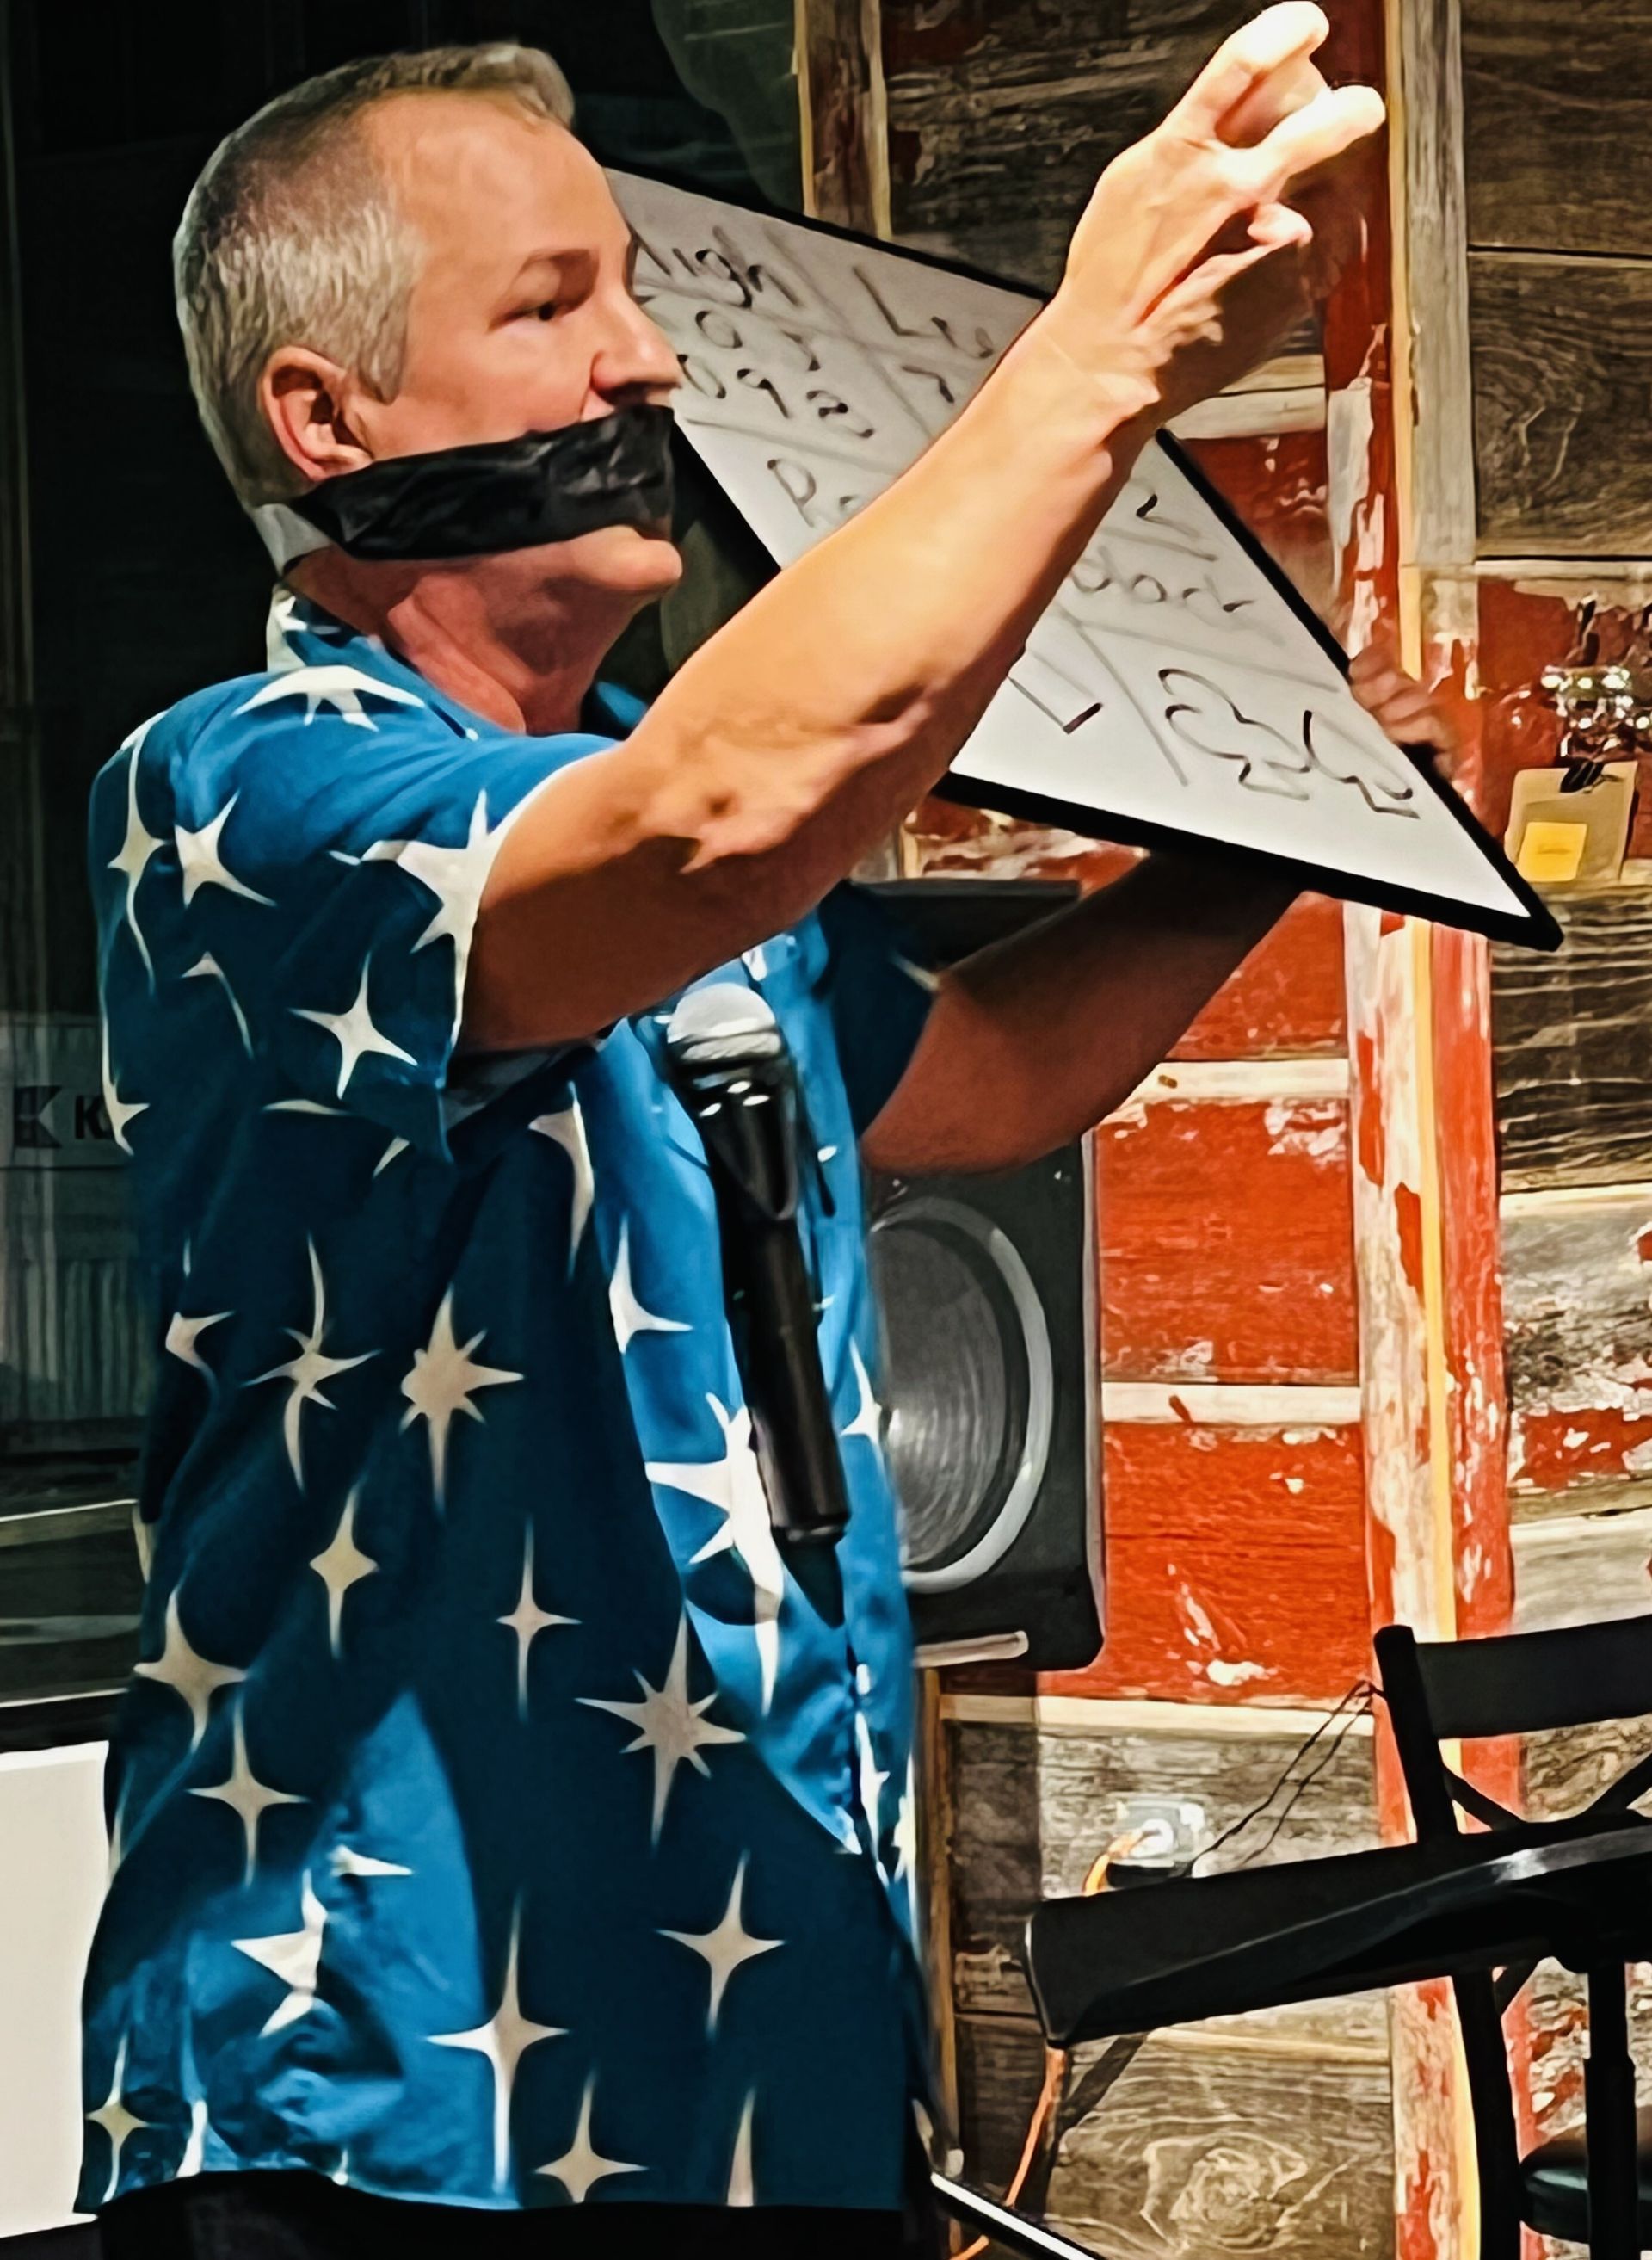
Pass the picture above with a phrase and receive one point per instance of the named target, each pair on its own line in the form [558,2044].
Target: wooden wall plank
[1227,1241]
[1002,113]
[1578,1297]
[1236,1566]
[1200,2147]
[1574,1047]
[1563,442]
[1584,1569]
[1533,72]
[1032,1810]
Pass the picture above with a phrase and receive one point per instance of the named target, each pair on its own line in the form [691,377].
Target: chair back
[1472,1689]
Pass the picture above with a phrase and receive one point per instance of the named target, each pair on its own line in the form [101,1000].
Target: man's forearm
[1032,1041]
[809,725]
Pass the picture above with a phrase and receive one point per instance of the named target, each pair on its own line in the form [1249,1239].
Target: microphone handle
[772,1300]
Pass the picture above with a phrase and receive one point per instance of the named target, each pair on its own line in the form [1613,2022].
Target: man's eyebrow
[560,256]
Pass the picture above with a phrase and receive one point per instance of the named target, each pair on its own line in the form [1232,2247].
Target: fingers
[1292,87]
[1278,39]
[1316,135]
[1406,712]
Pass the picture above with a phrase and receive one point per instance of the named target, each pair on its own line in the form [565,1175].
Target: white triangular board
[1172,687]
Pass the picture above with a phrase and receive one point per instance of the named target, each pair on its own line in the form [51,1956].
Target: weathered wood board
[1556,95]
[1573,1048]
[1563,442]
[1577,1303]
[1204,2145]
[1002,113]
[1033,1809]
[1228,1241]
[1235,1564]
[1584,1569]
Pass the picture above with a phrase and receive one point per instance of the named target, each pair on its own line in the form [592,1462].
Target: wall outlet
[1173,1830]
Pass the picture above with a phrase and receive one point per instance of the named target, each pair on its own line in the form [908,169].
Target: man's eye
[547,311]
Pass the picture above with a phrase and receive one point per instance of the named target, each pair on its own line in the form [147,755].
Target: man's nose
[636,357]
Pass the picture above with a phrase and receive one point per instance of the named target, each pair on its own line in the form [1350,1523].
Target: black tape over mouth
[502,494]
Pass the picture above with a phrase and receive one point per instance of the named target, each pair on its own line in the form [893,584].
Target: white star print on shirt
[726,1947]
[904,1835]
[629,1316]
[305,1373]
[527,1620]
[348,1862]
[116,2121]
[206,967]
[741,2189]
[871,1781]
[354,1033]
[582,2165]
[869,1417]
[734,1485]
[669,1724]
[337,685]
[201,860]
[245,1796]
[183,1334]
[121,1111]
[339,1566]
[295,1957]
[454,876]
[440,1382]
[566,1128]
[139,844]
[396,1146]
[195,2150]
[187,1674]
[504,2040]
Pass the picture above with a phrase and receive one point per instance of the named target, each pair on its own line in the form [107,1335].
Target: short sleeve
[878,991]
[330,873]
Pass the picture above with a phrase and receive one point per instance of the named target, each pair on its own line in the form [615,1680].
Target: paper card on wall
[1177,686]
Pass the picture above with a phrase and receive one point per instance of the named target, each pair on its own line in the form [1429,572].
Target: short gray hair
[291,236]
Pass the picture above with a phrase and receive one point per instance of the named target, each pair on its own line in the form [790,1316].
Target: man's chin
[642,562]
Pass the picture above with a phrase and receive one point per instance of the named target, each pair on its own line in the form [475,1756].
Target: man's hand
[1408,714]
[1196,253]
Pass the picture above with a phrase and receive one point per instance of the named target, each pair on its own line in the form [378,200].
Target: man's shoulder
[312,711]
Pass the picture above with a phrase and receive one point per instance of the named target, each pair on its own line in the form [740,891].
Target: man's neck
[525,665]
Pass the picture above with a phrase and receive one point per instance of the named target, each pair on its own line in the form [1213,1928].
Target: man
[499,1824]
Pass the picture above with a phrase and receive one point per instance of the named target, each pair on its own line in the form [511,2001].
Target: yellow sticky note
[1551,851]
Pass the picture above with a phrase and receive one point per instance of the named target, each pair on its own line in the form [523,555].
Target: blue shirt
[495,1819]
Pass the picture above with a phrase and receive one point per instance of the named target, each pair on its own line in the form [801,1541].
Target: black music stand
[1197,1947]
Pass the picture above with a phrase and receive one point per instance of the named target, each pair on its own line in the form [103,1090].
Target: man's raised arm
[802,733]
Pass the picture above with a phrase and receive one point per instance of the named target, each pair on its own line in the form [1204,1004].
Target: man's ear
[305,400]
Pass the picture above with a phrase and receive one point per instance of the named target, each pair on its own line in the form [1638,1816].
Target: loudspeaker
[984,1290]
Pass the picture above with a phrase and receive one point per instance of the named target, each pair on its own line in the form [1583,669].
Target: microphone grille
[722,1020]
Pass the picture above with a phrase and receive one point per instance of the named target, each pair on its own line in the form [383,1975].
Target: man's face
[522,318]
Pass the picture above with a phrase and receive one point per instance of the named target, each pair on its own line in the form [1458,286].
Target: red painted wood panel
[1278,487]
[1226,1238]
[1555,1451]
[1236,1566]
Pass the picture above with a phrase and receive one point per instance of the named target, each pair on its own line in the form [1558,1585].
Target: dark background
[145,579]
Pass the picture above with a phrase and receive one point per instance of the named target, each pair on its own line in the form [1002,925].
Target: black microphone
[731,1071]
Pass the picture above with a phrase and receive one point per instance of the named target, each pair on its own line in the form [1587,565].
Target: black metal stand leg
[1013,2230]
[1610,2119]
